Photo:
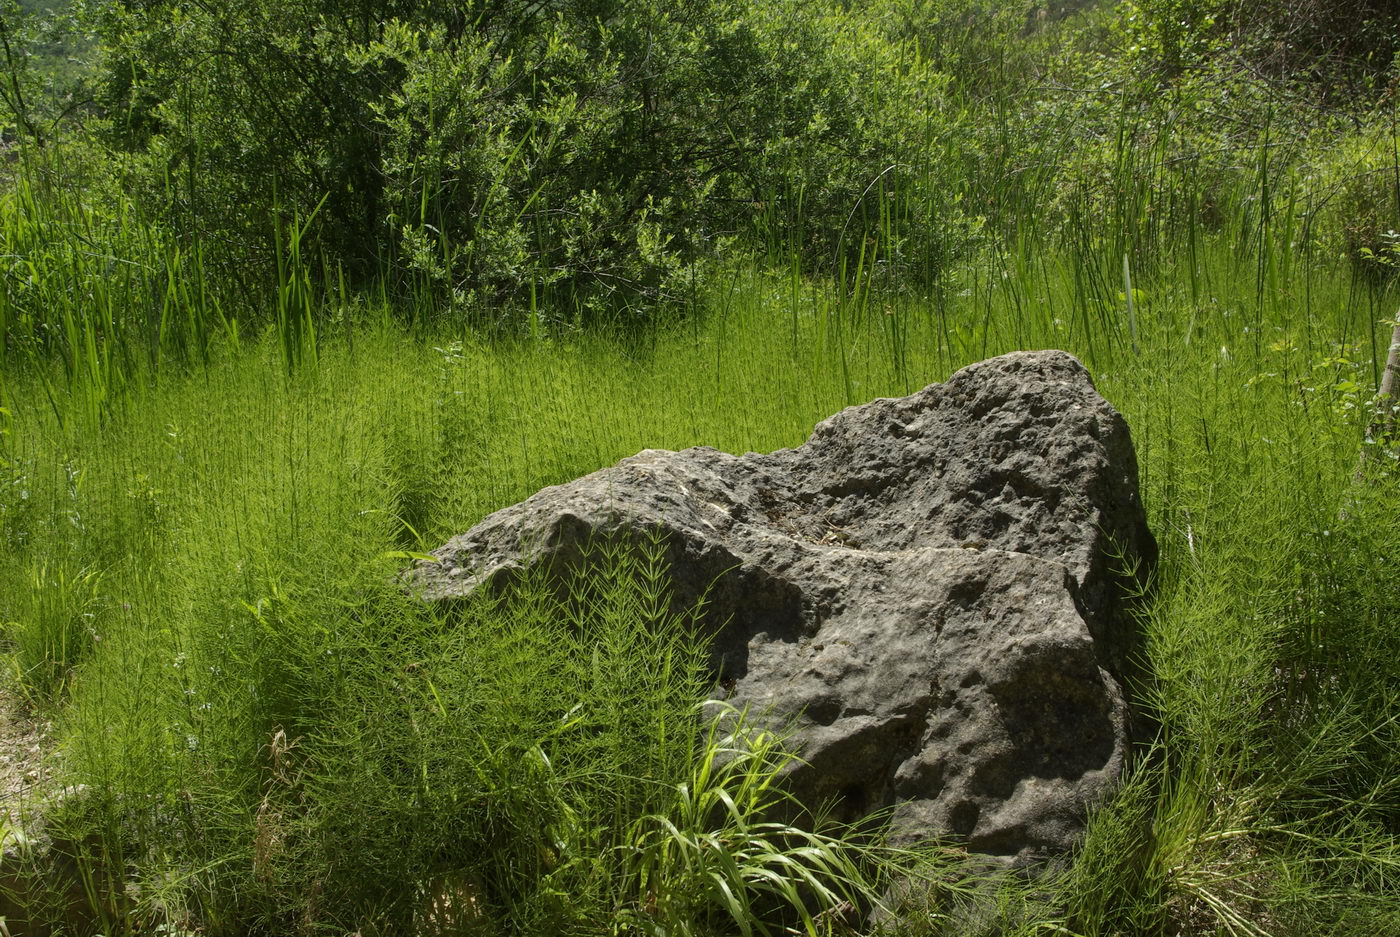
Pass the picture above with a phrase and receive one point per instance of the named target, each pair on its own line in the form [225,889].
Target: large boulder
[932,591]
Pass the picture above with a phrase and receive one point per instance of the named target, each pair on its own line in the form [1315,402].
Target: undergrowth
[210,484]
[202,586]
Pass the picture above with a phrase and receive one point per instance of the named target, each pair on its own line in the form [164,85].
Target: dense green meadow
[231,418]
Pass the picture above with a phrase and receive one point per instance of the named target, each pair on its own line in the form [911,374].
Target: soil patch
[26,766]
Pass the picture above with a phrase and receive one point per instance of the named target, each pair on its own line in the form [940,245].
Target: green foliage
[277,738]
[492,155]
[689,873]
[1351,42]
[1346,46]
[202,518]
[42,85]
[90,290]
[54,627]
[1363,187]
[1173,35]
[371,766]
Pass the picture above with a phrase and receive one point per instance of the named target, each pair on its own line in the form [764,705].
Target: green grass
[273,738]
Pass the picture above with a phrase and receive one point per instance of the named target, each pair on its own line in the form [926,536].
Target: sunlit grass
[201,585]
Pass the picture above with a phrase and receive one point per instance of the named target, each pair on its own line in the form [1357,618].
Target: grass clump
[274,738]
[277,739]
[299,760]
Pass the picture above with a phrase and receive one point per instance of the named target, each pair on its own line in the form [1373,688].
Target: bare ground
[26,747]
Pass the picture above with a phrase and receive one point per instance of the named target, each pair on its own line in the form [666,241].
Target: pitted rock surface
[930,590]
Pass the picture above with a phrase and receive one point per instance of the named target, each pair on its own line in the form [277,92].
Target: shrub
[495,155]
[1338,44]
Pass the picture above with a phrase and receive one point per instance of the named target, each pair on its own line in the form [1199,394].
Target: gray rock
[931,590]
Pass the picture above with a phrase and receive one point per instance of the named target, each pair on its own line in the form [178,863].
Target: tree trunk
[1381,432]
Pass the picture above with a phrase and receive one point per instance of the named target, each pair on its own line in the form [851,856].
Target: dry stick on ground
[1381,432]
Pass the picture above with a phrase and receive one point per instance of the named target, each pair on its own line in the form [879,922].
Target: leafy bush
[1341,43]
[1362,197]
[580,159]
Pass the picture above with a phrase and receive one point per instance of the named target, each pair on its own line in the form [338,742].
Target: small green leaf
[409,555]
